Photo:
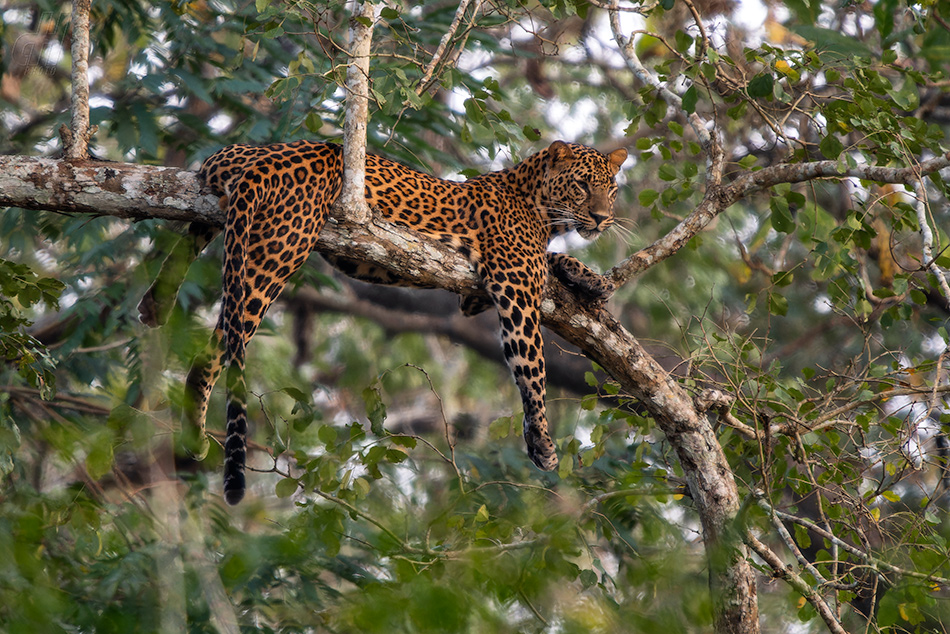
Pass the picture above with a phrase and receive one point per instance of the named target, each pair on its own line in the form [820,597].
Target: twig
[642,491]
[779,569]
[876,564]
[426,80]
[531,607]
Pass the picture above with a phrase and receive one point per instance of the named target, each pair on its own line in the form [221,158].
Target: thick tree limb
[135,191]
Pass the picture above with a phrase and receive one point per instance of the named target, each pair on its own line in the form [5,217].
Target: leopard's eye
[583,187]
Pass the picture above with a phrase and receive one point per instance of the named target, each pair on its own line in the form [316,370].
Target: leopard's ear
[615,159]
[560,152]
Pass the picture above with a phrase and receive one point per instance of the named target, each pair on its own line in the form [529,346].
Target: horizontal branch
[123,190]
[137,192]
[751,182]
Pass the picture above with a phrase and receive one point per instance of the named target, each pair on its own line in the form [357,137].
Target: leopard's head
[579,188]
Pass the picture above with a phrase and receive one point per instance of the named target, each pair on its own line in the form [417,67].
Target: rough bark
[137,192]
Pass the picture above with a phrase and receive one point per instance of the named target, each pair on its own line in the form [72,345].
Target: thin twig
[877,565]
[427,72]
[779,569]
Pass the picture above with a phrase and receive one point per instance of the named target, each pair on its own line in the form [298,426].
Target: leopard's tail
[241,207]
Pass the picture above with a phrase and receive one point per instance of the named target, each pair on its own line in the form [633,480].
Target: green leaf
[375,408]
[805,10]
[388,13]
[648,196]
[500,428]
[682,41]
[589,402]
[100,457]
[313,122]
[831,147]
[834,42]
[361,486]
[778,305]
[473,110]
[782,219]
[587,578]
[890,496]
[690,97]
[286,487]
[530,133]
[748,161]
[761,86]
[907,98]
[667,172]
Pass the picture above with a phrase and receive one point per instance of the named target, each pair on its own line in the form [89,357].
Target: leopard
[278,197]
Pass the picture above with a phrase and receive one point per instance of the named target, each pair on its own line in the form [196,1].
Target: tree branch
[426,80]
[779,569]
[76,139]
[357,111]
[718,198]
[136,191]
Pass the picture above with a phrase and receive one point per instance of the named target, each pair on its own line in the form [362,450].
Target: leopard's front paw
[598,289]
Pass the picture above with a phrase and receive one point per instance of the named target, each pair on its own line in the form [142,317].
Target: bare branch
[779,569]
[751,182]
[877,564]
[357,111]
[628,51]
[76,139]
[927,239]
[426,80]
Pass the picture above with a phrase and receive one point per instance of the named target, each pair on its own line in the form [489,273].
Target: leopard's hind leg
[274,239]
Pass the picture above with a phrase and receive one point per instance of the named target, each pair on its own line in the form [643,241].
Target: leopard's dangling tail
[241,207]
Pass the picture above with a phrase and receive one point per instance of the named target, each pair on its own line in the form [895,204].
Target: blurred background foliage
[394,494]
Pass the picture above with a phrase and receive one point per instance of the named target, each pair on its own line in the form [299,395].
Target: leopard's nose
[601,221]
